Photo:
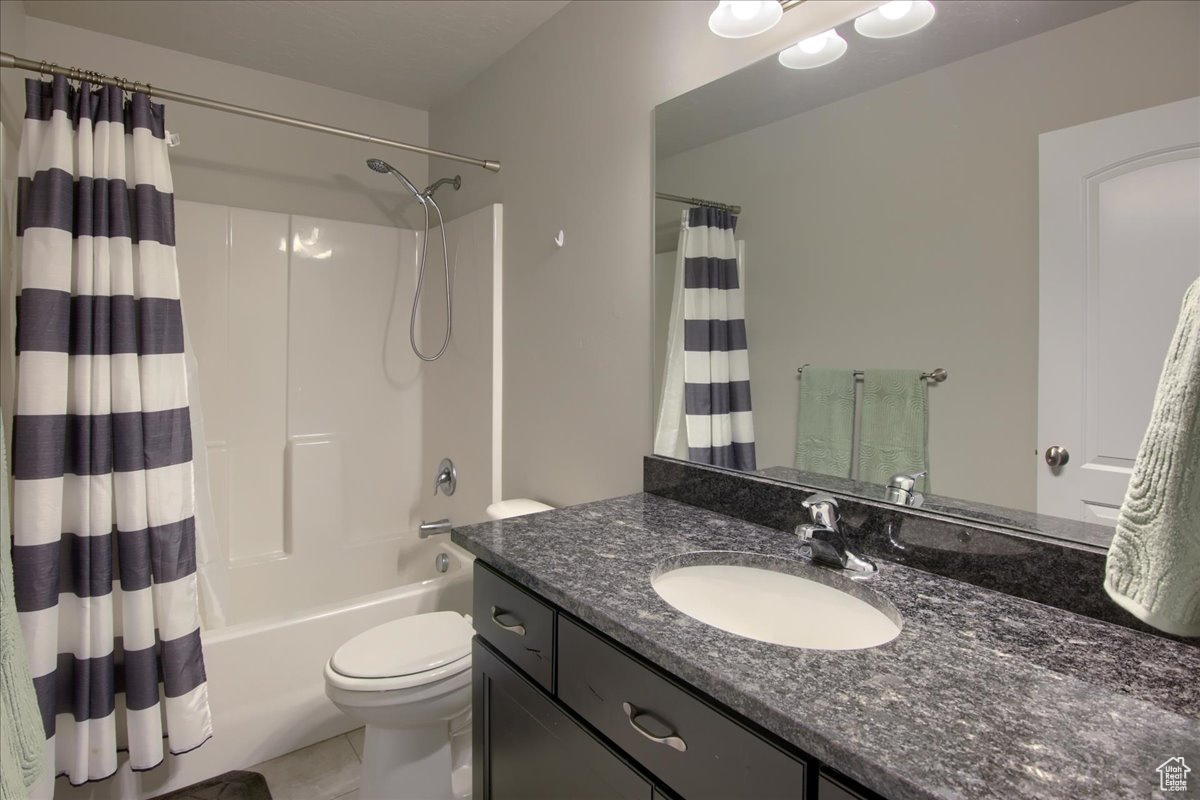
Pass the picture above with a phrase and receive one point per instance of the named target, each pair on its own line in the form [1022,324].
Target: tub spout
[428,529]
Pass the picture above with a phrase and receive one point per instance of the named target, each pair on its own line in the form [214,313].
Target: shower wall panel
[354,388]
[233,278]
[323,427]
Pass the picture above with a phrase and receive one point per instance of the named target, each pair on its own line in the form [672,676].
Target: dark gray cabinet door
[527,748]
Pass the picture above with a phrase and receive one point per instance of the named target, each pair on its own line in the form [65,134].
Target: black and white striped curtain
[707,358]
[104,550]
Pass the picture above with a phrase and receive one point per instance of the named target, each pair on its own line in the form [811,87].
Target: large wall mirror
[1010,194]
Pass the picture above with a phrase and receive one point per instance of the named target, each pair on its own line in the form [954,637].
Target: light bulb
[814,44]
[895,9]
[737,19]
[745,10]
[896,18]
[815,51]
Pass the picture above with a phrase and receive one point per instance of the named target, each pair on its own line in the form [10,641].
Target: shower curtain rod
[696,201]
[9,61]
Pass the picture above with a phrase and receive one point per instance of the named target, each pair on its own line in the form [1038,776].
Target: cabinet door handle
[514,626]
[670,740]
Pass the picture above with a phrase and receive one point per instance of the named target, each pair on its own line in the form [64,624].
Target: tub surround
[982,695]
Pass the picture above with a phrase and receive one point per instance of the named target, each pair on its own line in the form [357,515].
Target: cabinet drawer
[693,748]
[516,623]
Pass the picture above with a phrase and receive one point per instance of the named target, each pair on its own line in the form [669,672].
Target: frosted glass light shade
[815,51]
[737,19]
[896,18]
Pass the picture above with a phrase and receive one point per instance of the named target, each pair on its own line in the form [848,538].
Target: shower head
[379,165]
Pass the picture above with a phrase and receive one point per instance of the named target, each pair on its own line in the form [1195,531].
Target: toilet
[409,682]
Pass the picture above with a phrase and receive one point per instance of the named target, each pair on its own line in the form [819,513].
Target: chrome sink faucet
[823,537]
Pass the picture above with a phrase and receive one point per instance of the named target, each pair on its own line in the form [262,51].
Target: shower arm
[433,187]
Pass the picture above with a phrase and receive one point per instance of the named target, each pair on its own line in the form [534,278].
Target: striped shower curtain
[104,550]
[707,374]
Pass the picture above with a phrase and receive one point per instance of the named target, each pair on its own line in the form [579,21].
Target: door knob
[1057,456]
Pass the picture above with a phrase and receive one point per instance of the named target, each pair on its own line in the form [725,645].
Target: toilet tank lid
[515,508]
[405,646]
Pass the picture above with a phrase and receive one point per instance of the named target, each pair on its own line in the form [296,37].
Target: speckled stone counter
[982,695]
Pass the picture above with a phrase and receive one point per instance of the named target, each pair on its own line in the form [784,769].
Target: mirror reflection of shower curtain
[704,412]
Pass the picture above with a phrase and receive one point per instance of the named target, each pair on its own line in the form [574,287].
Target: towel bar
[937,376]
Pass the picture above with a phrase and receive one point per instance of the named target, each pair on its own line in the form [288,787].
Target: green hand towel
[895,422]
[1153,568]
[22,738]
[825,422]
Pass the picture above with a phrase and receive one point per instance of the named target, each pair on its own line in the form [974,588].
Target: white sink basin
[777,607]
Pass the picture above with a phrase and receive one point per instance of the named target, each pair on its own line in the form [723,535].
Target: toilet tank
[516,508]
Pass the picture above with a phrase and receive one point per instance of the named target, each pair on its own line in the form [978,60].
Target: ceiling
[767,92]
[417,54]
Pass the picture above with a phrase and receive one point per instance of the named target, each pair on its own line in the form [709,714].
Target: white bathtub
[265,682]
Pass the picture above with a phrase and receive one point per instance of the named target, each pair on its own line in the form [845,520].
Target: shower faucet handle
[446,480]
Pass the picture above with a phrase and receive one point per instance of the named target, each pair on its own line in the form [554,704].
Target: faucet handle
[446,480]
[819,499]
[808,531]
[905,480]
[823,509]
[901,489]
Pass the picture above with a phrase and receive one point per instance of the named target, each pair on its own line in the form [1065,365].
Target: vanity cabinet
[561,711]
[527,747]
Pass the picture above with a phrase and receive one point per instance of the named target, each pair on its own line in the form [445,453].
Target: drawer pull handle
[512,626]
[670,740]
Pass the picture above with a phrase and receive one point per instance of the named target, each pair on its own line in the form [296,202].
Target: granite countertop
[982,695]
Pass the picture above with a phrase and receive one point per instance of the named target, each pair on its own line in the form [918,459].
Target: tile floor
[323,771]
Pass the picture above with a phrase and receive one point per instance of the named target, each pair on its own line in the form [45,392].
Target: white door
[1120,243]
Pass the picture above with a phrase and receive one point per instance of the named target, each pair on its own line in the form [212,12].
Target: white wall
[569,112]
[898,228]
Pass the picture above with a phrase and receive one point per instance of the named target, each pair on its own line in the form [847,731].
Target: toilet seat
[407,652]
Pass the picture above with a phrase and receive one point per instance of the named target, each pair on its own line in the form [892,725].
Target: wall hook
[559,239]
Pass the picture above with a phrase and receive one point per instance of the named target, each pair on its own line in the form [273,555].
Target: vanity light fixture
[737,19]
[896,18]
[815,51]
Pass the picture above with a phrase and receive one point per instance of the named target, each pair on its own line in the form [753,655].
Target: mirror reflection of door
[1120,244]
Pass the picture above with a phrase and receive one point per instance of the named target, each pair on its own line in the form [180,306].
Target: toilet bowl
[409,682]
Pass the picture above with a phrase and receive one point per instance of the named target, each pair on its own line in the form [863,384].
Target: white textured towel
[1153,566]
